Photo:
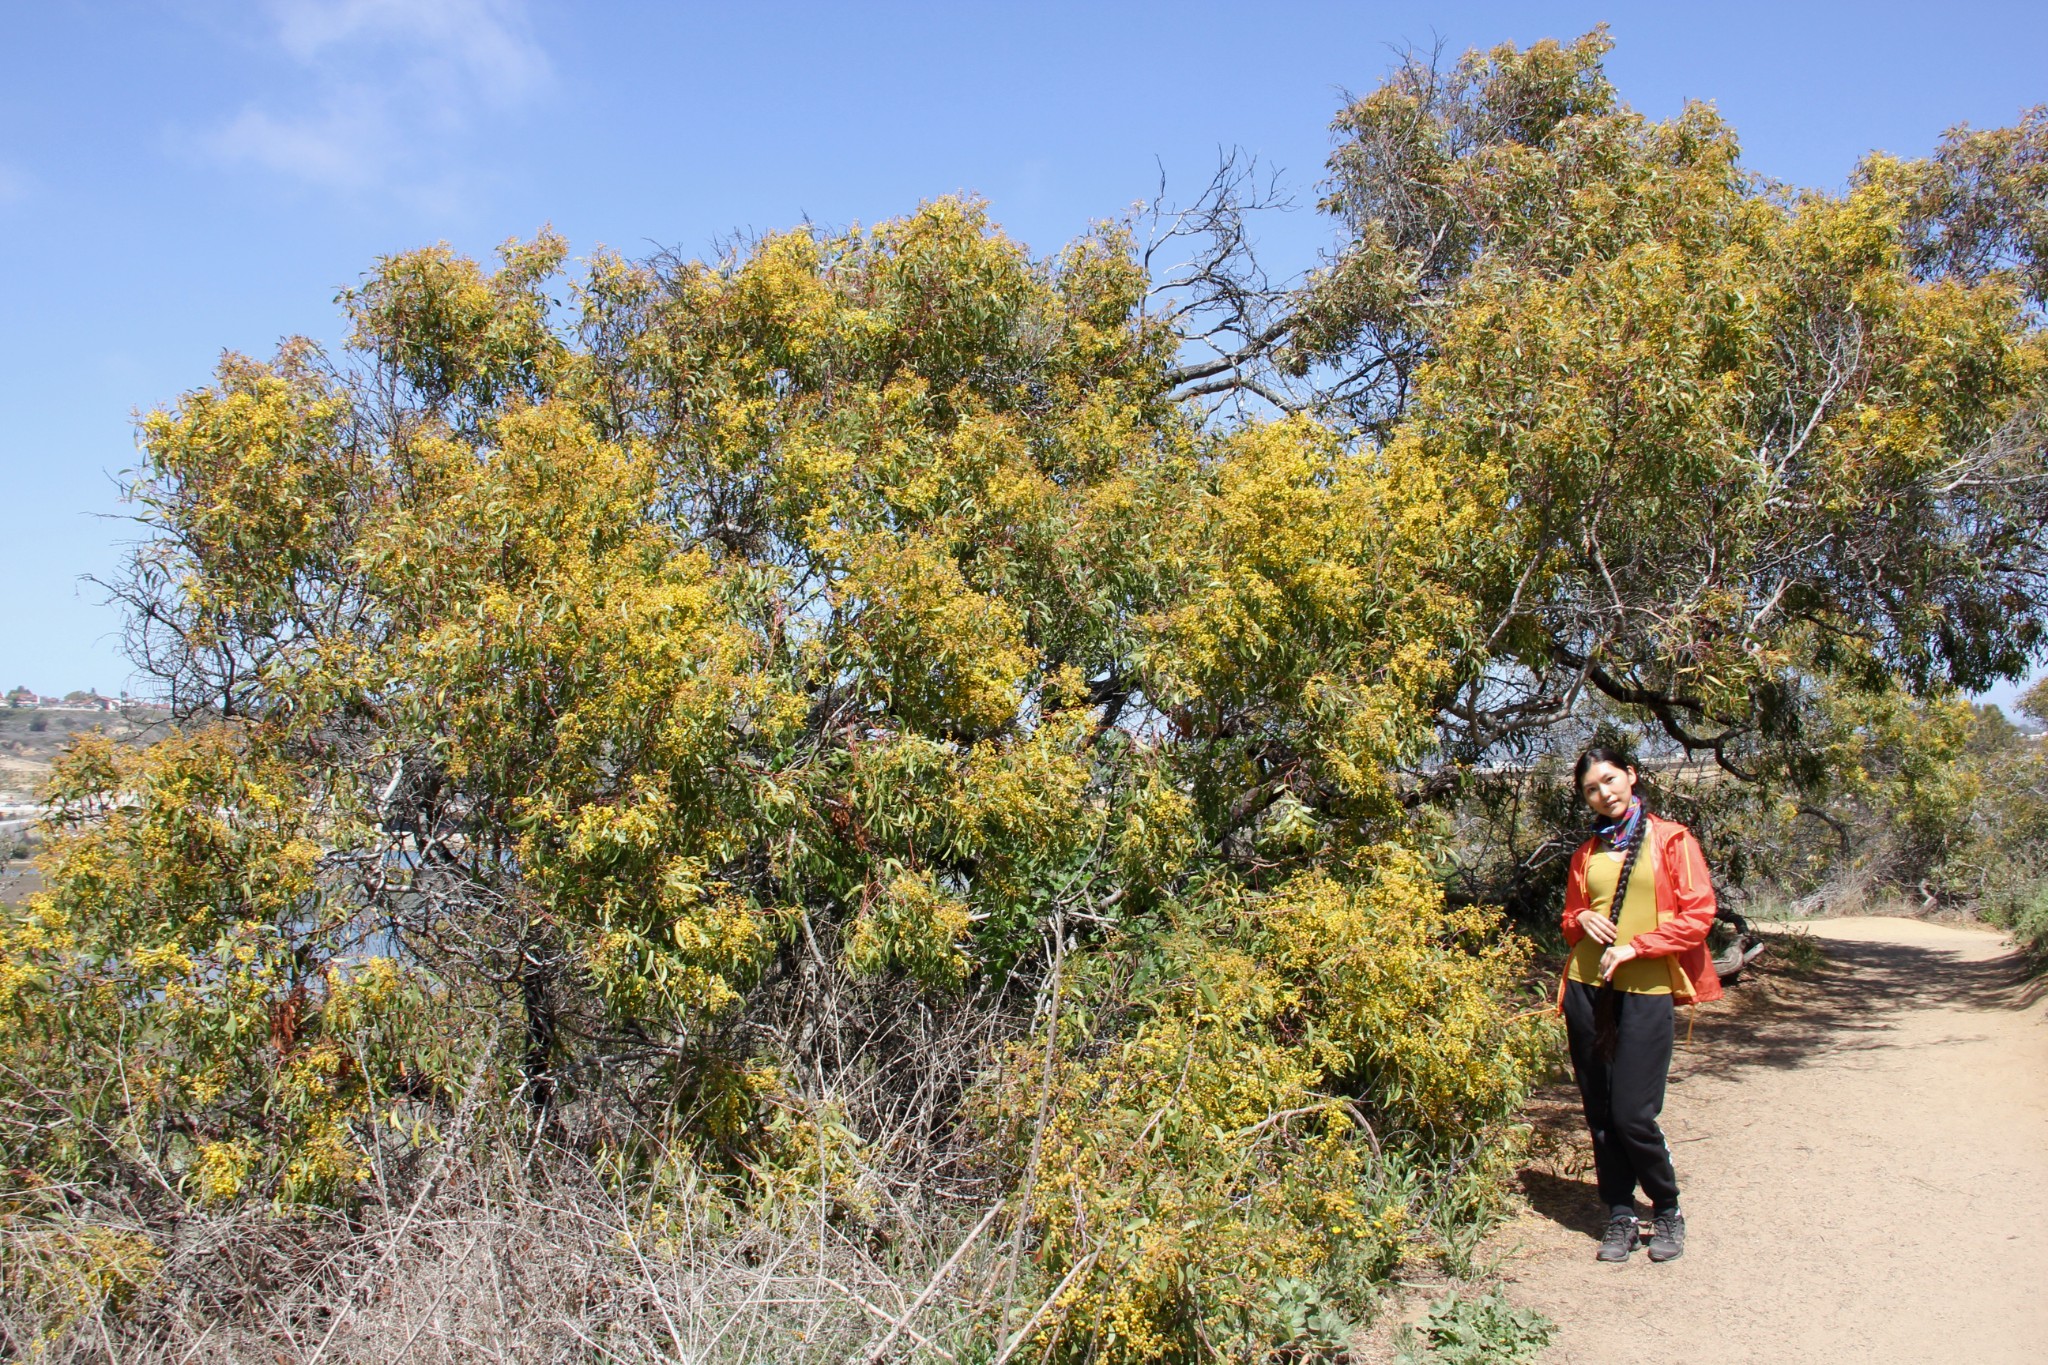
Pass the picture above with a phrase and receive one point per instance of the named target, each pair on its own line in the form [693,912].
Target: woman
[1628,971]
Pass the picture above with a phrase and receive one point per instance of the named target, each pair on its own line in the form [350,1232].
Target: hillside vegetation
[880,796]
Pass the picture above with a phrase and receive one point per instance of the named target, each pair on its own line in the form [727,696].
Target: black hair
[1599,753]
[1606,999]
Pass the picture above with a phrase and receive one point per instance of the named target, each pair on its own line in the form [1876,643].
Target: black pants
[1624,1097]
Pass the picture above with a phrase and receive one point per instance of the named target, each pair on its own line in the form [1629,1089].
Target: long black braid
[1606,999]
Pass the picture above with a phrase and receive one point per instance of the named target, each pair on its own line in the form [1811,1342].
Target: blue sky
[189,176]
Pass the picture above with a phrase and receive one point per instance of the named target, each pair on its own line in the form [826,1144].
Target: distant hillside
[31,737]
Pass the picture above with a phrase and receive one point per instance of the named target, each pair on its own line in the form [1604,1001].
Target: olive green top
[1642,975]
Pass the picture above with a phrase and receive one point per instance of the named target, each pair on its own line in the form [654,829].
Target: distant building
[80,700]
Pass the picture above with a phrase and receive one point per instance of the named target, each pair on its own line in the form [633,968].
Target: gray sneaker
[1667,1236]
[1620,1240]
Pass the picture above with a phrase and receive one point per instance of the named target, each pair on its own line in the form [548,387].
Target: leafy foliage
[1734,445]
[1482,1329]
[839,727]
[668,705]
[1225,1108]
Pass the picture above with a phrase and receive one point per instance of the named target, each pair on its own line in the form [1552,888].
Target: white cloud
[351,144]
[391,86]
[483,43]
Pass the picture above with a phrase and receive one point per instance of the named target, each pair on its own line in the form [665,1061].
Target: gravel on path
[1864,1165]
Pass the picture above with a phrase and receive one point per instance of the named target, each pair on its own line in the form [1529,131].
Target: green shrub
[1797,951]
[2022,911]
[1321,1079]
[1485,1330]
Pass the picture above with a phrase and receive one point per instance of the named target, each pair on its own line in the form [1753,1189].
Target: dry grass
[505,1256]
[492,1244]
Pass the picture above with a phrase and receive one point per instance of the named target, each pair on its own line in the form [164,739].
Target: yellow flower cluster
[1256,1127]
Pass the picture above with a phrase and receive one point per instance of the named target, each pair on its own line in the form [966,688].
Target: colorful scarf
[1623,832]
[1620,835]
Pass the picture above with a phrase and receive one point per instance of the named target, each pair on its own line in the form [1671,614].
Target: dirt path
[1864,1159]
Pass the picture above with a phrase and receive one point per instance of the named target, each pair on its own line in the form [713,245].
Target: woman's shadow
[1569,1203]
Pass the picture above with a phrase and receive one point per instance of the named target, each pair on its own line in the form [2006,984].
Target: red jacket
[1685,908]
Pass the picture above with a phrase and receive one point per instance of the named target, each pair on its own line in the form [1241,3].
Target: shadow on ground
[1573,1204]
[1779,1020]
[1846,1006]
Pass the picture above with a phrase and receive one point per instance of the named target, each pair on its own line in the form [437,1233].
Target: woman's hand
[1598,927]
[1613,958]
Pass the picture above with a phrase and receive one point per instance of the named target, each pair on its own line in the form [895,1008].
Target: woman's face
[1607,789]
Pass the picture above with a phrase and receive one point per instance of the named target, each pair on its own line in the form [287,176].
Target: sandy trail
[1865,1172]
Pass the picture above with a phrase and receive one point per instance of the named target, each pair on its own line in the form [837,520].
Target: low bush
[1795,950]
[1289,1109]
[1482,1329]
[2021,909]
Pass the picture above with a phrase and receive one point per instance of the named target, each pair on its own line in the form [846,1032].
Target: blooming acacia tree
[846,712]
[1738,441]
